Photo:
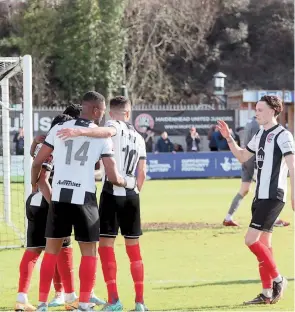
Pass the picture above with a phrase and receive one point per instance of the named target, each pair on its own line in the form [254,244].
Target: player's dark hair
[73,110]
[93,96]
[60,119]
[274,103]
[119,102]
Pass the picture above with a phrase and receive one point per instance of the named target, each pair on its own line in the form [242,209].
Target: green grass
[202,269]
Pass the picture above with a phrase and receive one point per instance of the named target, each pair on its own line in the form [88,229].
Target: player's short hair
[73,110]
[60,119]
[119,102]
[273,102]
[93,96]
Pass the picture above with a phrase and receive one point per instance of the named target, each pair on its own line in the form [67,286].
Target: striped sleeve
[107,149]
[251,146]
[142,149]
[286,143]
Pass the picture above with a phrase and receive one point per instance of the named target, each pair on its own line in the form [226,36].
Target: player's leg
[264,214]
[36,214]
[129,220]
[109,226]
[266,279]
[86,227]
[65,272]
[247,177]
[59,226]
[59,298]
[26,268]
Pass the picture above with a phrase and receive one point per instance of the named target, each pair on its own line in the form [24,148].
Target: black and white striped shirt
[270,147]
[74,162]
[129,148]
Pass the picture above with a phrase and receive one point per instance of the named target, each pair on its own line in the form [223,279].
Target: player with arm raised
[119,207]
[247,177]
[274,149]
[73,202]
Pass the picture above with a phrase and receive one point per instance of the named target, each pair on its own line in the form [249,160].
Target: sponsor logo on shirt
[68,183]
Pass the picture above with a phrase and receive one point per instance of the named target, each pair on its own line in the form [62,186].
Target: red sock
[266,279]
[264,256]
[109,269]
[57,281]
[137,271]
[66,270]
[46,275]
[87,274]
[26,268]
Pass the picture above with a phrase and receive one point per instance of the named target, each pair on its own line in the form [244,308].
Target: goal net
[15,140]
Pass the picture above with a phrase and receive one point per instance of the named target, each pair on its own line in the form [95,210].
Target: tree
[76,55]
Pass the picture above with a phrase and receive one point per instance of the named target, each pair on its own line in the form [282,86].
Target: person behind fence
[164,145]
[149,139]
[19,142]
[212,137]
[178,148]
[193,141]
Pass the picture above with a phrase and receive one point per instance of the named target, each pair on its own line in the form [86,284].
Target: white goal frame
[12,66]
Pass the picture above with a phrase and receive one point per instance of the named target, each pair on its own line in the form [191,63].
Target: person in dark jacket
[212,137]
[193,141]
[19,142]
[164,145]
[149,140]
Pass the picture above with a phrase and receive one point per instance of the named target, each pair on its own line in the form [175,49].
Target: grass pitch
[191,262]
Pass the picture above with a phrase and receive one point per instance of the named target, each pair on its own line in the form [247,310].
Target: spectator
[164,145]
[149,139]
[178,148]
[193,141]
[19,142]
[212,137]
[221,142]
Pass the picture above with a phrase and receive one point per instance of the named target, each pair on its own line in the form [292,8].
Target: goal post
[9,68]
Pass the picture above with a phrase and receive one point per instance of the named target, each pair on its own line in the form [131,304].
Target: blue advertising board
[192,165]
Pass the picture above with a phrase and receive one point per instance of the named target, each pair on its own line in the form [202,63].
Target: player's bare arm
[101,132]
[113,175]
[241,154]
[37,140]
[290,161]
[43,154]
[141,173]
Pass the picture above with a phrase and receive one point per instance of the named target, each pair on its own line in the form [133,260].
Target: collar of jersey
[79,118]
[271,129]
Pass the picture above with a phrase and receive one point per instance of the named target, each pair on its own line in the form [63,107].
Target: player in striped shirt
[36,212]
[119,207]
[274,149]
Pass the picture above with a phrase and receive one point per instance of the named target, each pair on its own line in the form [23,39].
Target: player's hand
[130,182]
[40,139]
[67,133]
[223,128]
